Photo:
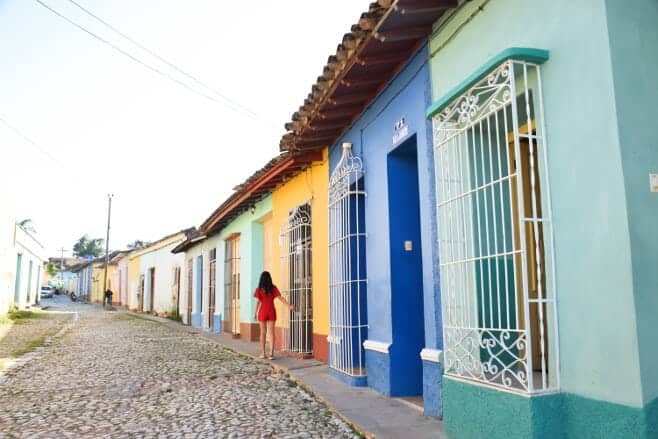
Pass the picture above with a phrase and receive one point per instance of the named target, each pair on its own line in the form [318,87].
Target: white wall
[164,262]
[124,285]
[32,253]
[7,257]
[203,248]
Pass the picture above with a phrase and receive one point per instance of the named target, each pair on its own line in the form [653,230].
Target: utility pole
[61,265]
[107,242]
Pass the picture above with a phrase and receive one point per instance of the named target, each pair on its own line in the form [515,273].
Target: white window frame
[484,227]
[346,333]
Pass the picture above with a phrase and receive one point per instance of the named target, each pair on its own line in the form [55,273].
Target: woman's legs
[262,338]
[270,331]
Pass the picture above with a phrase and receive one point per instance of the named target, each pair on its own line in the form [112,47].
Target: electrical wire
[32,142]
[157,56]
[138,61]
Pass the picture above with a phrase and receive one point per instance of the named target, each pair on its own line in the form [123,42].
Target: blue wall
[406,270]
[407,96]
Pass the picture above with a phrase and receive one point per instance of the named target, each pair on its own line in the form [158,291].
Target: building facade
[29,257]
[299,260]
[155,283]
[544,258]
[382,210]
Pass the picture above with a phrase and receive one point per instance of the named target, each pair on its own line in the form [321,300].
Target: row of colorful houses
[461,212]
[144,280]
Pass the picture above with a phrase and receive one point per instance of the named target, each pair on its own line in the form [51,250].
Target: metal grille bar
[297,281]
[495,233]
[347,268]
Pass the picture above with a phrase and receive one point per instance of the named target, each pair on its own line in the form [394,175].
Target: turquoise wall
[634,51]
[249,226]
[598,343]
[473,411]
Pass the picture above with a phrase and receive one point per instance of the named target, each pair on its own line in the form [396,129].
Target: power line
[31,142]
[137,60]
[169,63]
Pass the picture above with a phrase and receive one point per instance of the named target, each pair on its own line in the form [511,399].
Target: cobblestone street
[114,375]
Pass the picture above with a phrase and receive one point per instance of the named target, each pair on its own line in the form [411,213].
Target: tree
[88,247]
[27,225]
[138,243]
[52,269]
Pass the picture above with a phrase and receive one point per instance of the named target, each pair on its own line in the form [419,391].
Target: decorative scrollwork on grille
[495,356]
[487,96]
[298,217]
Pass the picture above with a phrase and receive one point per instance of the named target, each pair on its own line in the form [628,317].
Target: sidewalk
[369,411]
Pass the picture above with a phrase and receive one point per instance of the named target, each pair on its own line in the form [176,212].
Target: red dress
[267,311]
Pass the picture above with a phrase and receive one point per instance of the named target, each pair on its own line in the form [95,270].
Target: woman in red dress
[265,310]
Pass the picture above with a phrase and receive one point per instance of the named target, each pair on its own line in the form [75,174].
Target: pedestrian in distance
[266,311]
[108,297]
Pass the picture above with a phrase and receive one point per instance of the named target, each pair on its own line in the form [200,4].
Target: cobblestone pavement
[20,335]
[113,375]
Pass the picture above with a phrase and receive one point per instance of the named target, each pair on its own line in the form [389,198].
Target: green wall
[473,411]
[634,50]
[596,312]
[251,256]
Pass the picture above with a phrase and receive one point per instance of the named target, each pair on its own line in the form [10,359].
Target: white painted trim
[377,346]
[433,355]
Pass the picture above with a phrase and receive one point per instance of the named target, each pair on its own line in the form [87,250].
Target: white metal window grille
[232,285]
[296,281]
[495,233]
[347,268]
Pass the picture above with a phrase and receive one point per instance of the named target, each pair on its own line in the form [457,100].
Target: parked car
[47,292]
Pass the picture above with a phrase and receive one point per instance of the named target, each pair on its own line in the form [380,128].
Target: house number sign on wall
[400,130]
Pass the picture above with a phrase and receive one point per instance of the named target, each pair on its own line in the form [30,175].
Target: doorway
[140,293]
[407,314]
[211,288]
[232,285]
[17,283]
[189,292]
[297,277]
[152,289]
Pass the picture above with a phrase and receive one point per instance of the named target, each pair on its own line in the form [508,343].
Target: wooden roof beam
[424,6]
[325,125]
[403,34]
[357,82]
[350,98]
[386,58]
[340,112]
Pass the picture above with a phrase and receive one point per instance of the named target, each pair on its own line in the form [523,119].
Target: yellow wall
[133,281]
[310,185]
[98,273]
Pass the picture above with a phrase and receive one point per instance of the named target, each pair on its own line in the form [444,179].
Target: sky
[85,120]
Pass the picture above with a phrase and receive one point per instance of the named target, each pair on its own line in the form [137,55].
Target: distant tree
[88,247]
[138,243]
[27,225]
[52,269]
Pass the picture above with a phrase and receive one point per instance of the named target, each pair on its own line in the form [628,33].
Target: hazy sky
[103,123]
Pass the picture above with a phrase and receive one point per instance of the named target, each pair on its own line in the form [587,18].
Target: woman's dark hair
[265,283]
